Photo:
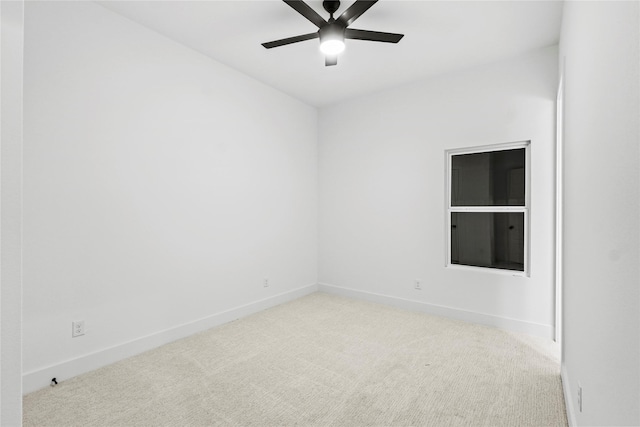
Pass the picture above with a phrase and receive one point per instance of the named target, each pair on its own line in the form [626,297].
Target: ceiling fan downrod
[331,6]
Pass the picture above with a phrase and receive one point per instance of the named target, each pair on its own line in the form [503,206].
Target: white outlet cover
[77,328]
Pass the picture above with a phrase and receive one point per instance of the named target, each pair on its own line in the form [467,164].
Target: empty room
[356,213]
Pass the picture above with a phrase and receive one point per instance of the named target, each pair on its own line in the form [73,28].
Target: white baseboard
[514,325]
[568,397]
[40,378]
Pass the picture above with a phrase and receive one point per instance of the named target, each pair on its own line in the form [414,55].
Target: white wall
[11,56]
[160,188]
[382,191]
[600,42]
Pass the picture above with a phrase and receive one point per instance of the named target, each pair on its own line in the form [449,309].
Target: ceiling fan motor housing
[332,31]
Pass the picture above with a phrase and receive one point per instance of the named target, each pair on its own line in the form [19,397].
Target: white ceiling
[440,36]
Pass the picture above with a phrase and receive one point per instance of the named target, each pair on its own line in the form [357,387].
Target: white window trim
[524,209]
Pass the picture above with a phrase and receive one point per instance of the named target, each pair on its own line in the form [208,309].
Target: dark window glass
[494,178]
[488,239]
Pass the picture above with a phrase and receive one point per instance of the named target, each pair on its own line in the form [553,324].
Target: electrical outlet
[77,328]
[266,283]
[418,284]
[579,397]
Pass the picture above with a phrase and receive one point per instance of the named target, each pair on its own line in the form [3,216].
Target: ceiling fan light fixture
[332,47]
[332,39]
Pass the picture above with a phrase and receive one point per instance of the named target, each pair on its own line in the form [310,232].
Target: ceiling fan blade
[330,60]
[374,36]
[354,12]
[305,10]
[290,40]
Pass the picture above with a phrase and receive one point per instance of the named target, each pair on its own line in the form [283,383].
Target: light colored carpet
[320,360]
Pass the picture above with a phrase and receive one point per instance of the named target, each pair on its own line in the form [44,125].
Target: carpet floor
[321,360]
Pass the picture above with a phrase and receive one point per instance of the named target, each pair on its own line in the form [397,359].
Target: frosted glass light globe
[332,47]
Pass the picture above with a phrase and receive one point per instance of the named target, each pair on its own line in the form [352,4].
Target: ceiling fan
[333,32]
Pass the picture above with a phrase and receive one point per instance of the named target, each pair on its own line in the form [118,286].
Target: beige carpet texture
[321,360]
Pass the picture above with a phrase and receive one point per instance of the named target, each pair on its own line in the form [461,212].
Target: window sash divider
[488,209]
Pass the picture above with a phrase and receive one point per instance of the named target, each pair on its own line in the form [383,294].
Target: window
[487,212]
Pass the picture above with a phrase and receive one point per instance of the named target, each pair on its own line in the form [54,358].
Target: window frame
[449,209]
